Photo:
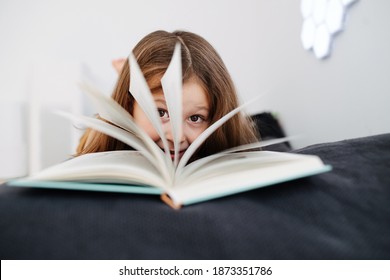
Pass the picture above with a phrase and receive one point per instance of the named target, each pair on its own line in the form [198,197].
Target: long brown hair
[200,60]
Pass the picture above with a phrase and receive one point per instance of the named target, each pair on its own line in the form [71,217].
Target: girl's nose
[169,133]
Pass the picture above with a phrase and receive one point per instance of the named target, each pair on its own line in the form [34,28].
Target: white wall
[343,97]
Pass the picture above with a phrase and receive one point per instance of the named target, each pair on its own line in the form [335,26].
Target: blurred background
[48,46]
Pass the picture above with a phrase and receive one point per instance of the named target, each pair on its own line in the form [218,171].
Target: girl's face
[196,111]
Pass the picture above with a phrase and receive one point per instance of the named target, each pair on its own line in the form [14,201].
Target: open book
[150,170]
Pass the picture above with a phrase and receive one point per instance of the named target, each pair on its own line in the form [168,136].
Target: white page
[192,167]
[238,179]
[173,90]
[111,111]
[124,136]
[106,167]
[236,162]
[139,89]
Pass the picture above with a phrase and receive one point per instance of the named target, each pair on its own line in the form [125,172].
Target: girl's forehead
[194,92]
[193,95]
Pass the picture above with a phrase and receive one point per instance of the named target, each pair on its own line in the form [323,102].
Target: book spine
[168,200]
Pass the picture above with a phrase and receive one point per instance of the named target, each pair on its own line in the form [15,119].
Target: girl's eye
[163,114]
[196,119]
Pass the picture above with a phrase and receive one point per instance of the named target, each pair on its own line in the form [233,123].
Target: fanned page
[129,132]
[173,91]
[111,111]
[139,89]
[203,162]
[116,167]
[234,173]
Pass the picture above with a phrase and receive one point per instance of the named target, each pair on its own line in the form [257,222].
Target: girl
[208,94]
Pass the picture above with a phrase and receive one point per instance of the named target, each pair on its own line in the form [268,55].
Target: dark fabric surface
[343,214]
[268,127]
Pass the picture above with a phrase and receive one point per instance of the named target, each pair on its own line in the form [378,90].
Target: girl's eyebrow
[202,107]
[159,98]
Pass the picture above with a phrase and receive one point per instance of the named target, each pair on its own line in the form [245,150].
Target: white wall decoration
[322,20]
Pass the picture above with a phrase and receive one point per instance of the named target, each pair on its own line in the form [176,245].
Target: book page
[235,162]
[127,138]
[252,170]
[173,91]
[201,163]
[129,167]
[111,111]
[139,89]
